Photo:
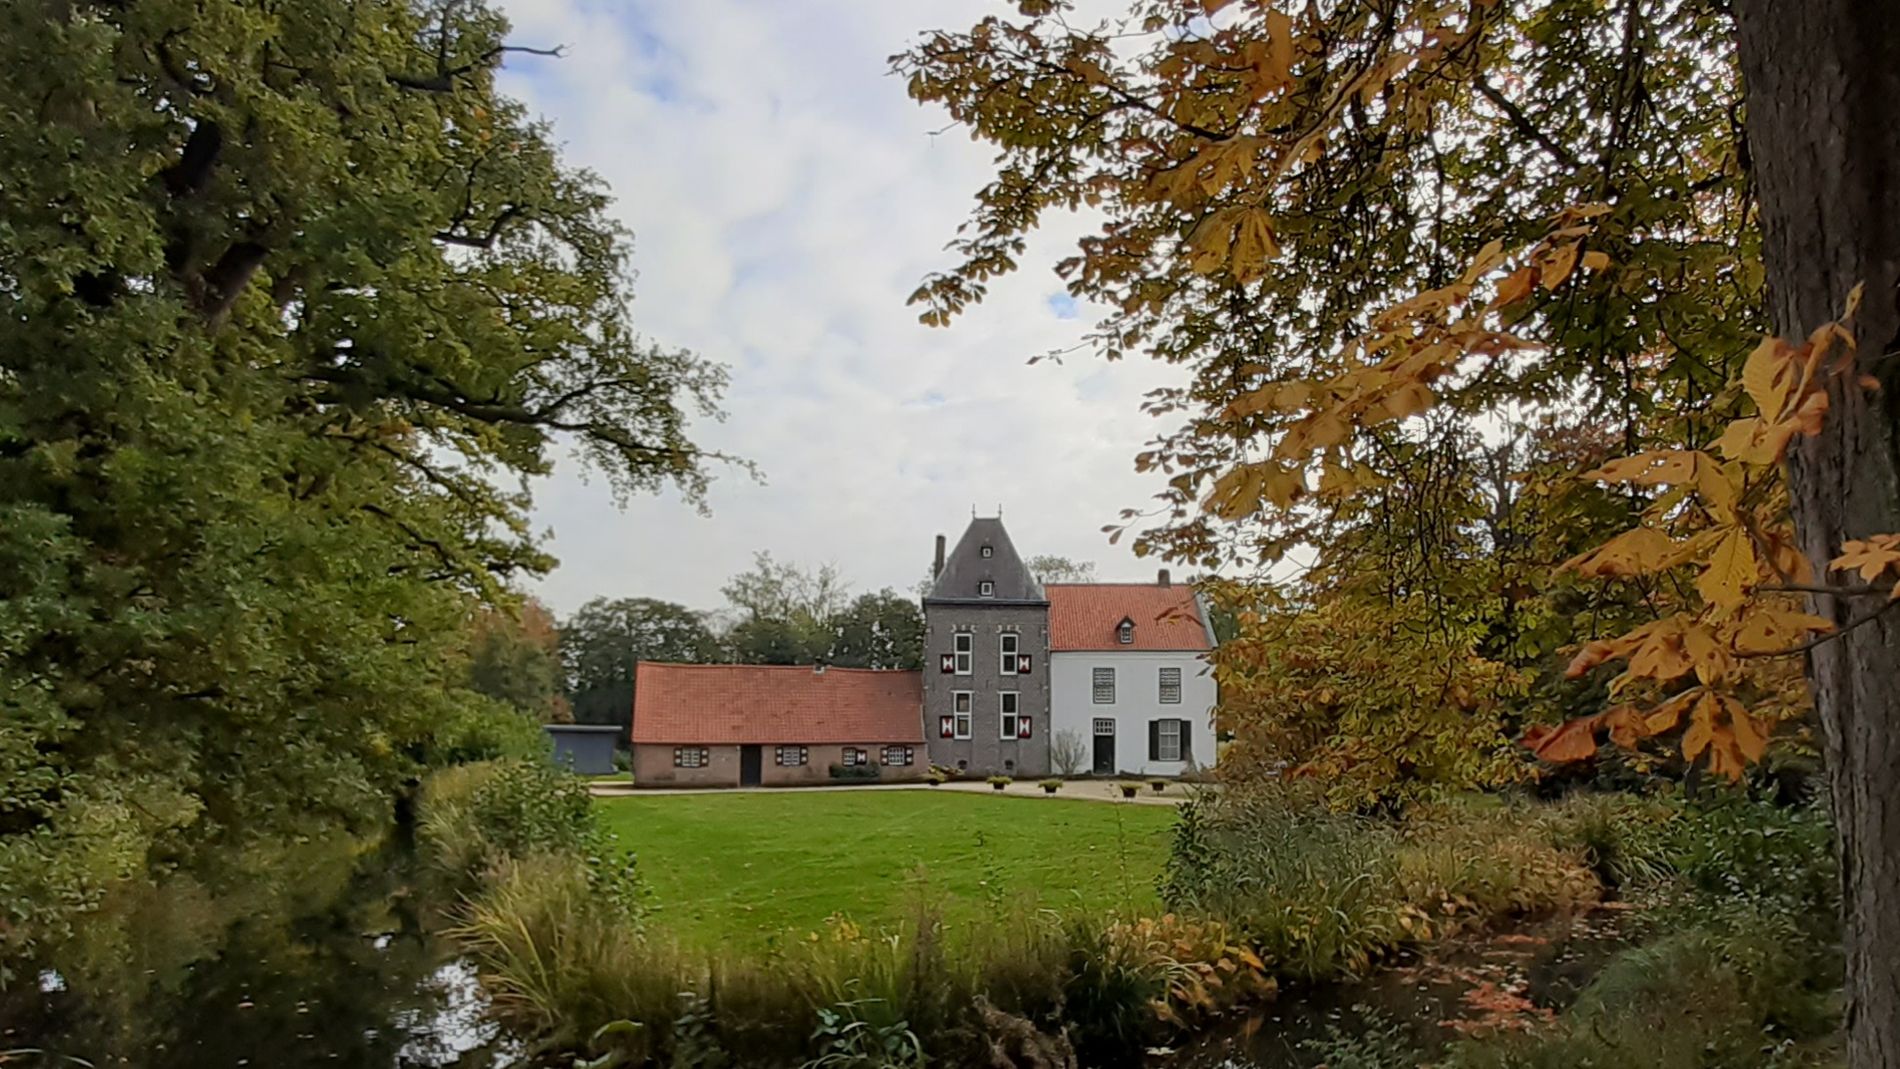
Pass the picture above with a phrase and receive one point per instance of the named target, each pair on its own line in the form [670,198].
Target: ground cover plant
[753,869]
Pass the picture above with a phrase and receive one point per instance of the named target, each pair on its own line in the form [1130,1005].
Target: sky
[786,197]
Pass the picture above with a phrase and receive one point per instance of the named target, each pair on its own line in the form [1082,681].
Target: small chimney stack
[936,567]
[1161,577]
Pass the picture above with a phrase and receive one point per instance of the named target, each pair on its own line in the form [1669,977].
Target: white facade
[1137,703]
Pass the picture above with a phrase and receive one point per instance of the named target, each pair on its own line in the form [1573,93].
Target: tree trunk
[1822,89]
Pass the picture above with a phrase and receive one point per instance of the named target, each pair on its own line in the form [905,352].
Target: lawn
[755,867]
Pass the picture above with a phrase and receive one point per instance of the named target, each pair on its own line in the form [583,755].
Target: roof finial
[999,510]
[973,510]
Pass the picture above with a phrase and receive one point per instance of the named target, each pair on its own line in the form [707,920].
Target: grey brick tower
[986,658]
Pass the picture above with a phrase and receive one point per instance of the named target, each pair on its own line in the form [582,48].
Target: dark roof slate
[965,569]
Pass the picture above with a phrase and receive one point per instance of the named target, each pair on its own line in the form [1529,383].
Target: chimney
[818,669]
[1161,577]
[936,567]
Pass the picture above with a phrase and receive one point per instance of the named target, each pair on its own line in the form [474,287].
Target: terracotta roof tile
[771,704]
[1084,616]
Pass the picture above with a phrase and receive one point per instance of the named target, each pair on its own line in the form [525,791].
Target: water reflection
[351,977]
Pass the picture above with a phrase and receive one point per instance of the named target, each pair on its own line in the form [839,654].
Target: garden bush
[849,773]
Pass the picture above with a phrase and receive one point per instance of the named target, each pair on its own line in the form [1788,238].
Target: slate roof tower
[986,658]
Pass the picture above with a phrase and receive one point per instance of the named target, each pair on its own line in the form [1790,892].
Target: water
[348,978]
[1506,980]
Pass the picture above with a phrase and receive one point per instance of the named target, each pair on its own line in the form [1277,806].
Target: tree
[785,612]
[605,638]
[1050,568]
[1823,103]
[1338,216]
[881,630]
[292,297]
[515,657]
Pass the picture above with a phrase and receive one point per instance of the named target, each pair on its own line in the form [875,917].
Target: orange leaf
[1559,266]
[1749,736]
[1515,286]
[1701,725]
[1572,740]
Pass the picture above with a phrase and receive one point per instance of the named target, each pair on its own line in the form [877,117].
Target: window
[965,646]
[793,755]
[1008,703]
[1103,680]
[988,552]
[960,704]
[1104,726]
[1168,740]
[897,755]
[986,589]
[1009,665]
[691,756]
[851,755]
[1125,632]
[1170,686]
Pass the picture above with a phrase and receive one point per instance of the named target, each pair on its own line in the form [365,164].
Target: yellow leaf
[1767,376]
[1559,266]
[1749,736]
[1712,662]
[1871,557]
[1772,630]
[1701,726]
[1595,260]
[1488,257]
[1279,47]
[1730,572]
[1638,551]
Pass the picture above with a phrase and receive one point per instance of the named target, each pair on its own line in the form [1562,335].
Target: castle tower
[986,658]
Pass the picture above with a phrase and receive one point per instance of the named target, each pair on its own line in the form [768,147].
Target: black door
[1104,748]
[749,760]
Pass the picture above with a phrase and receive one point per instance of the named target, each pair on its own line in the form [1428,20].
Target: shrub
[1736,993]
[854,772]
[481,729]
[1068,751]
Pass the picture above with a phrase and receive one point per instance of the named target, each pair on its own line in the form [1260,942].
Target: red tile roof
[1084,616]
[721,704]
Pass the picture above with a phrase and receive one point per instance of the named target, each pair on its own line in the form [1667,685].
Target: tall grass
[1322,894]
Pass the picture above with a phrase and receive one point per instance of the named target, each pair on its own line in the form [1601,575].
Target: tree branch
[1820,640]
[1524,125]
[443,81]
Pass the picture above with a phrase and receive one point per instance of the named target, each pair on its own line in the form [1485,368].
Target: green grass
[752,869]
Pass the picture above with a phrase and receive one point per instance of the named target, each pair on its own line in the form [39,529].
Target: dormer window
[989,551]
[986,589]
[1125,632]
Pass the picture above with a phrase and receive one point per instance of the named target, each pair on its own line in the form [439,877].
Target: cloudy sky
[786,197]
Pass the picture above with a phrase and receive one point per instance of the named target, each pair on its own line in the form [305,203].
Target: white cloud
[786,197]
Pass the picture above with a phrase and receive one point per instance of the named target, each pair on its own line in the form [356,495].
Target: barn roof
[717,704]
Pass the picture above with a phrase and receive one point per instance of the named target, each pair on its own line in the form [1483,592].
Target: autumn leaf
[1638,551]
[1572,740]
[1749,736]
[1731,571]
[1871,557]
[1558,267]
[1701,725]
[1515,287]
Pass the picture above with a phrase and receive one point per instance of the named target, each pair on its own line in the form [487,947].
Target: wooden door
[751,759]
[1104,747]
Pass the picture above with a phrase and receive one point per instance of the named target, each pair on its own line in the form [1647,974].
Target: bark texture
[1822,83]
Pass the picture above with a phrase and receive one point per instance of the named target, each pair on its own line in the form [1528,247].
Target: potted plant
[1129,789]
[1050,786]
[1158,784]
[997,783]
[936,777]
